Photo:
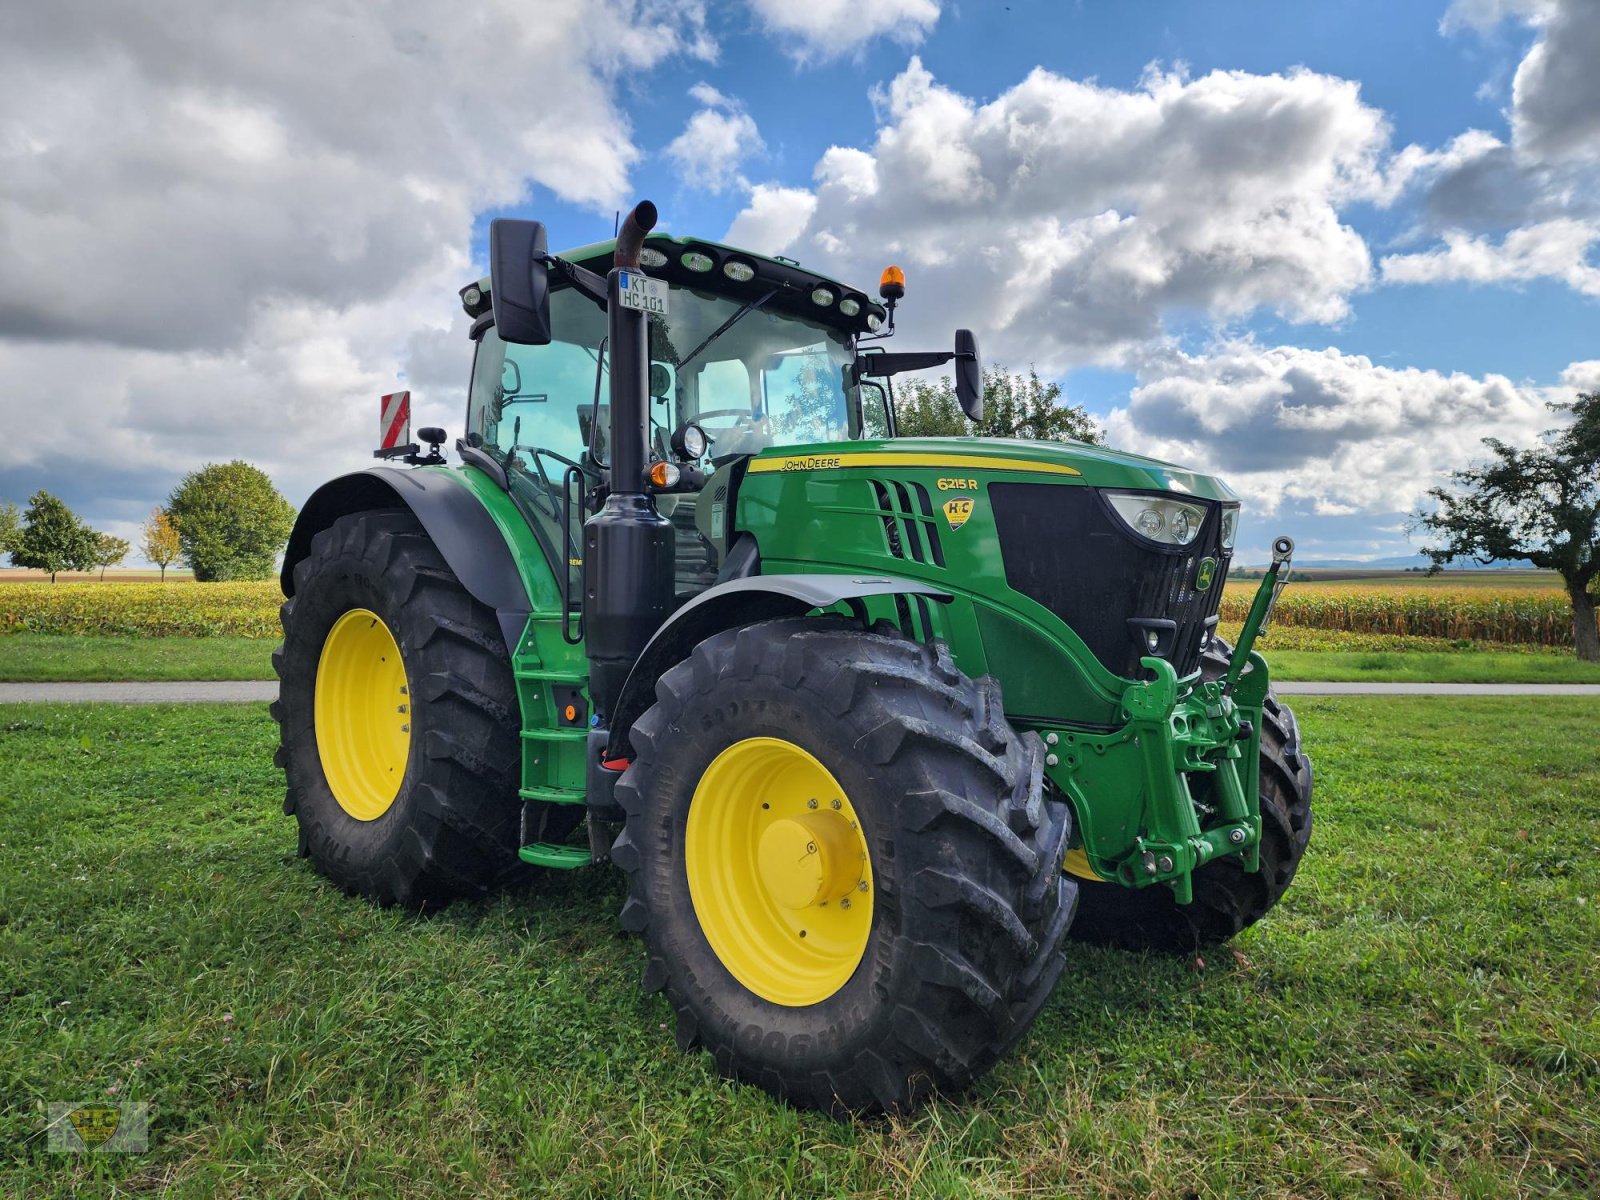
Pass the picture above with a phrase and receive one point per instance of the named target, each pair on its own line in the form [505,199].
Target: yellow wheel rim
[362,713]
[779,871]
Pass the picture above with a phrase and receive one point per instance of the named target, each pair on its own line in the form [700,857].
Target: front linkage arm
[1140,822]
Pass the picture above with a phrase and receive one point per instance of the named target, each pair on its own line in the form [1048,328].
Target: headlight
[1157,517]
[689,442]
[1230,527]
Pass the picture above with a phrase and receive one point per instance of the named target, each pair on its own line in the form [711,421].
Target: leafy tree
[161,545]
[1014,406]
[1542,505]
[53,539]
[231,521]
[108,552]
[10,526]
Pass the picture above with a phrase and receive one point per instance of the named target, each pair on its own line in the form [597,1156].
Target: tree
[10,526]
[108,552]
[231,521]
[52,538]
[1014,406]
[161,545]
[1542,505]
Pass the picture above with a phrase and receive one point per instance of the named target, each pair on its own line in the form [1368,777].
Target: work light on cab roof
[872,723]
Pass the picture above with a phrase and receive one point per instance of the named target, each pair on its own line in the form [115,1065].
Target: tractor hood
[1096,466]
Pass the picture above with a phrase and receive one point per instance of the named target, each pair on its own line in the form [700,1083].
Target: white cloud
[715,143]
[1320,430]
[815,30]
[1558,249]
[1583,376]
[222,234]
[1508,212]
[1065,219]
[1555,111]
[772,219]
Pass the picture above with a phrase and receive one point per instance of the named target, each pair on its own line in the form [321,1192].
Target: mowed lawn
[1419,1018]
[1294,654]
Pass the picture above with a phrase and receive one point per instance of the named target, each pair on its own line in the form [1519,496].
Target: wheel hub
[779,871]
[362,714]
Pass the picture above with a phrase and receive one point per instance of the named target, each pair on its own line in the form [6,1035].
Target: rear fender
[455,519]
[742,602]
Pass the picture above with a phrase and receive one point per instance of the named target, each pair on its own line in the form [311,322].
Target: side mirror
[519,286]
[969,375]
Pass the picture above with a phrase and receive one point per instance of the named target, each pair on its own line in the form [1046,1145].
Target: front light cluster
[1230,526]
[1158,518]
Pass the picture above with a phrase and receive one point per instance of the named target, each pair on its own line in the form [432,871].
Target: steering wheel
[740,415]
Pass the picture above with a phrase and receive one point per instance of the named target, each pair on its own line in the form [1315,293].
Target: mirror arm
[880,364]
[584,281]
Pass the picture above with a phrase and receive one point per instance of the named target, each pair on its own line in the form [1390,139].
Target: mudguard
[742,602]
[460,527]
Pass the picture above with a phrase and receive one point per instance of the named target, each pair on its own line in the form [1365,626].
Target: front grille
[1063,547]
[908,522]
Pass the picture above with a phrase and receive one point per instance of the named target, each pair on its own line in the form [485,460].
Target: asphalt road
[256,692]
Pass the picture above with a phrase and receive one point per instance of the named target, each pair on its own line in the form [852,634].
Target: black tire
[1226,898]
[452,829]
[967,937]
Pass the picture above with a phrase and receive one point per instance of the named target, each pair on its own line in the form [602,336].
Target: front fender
[742,602]
[455,519]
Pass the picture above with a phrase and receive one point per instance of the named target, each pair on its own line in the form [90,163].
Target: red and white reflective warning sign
[394,421]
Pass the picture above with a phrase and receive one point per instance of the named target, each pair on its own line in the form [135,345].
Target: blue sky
[1319,249]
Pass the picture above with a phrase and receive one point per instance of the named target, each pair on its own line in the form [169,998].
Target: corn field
[1528,616]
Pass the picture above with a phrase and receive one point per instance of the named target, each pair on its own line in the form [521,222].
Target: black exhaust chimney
[629,551]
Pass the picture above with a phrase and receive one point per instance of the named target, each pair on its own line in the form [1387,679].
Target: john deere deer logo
[1206,573]
[96,1123]
[957,509]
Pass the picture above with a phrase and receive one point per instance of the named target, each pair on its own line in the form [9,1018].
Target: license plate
[642,293]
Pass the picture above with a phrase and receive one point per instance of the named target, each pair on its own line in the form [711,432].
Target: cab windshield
[770,379]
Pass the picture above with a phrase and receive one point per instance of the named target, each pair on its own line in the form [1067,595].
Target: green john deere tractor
[872,724]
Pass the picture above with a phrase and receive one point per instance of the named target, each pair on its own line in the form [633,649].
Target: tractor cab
[746,354]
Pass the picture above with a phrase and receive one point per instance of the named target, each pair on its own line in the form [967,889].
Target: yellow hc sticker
[957,509]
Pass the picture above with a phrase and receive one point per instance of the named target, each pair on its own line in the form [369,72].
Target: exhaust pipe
[630,238]
[629,547]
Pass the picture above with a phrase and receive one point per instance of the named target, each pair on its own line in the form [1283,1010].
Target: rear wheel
[398,720]
[843,864]
[1227,899]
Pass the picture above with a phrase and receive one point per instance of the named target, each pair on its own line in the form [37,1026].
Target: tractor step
[561,858]
[551,795]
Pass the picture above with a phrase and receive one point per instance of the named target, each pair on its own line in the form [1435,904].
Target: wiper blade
[725,326]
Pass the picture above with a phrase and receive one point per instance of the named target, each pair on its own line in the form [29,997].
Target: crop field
[1419,1018]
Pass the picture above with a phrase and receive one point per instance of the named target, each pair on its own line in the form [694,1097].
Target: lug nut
[837,805]
[811,803]
[845,903]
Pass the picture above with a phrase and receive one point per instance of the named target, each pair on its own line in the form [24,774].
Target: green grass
[1423,667]
[34,657]
[41,657]
[1417,1019]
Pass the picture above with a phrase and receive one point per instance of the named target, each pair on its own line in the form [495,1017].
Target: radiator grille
[1063,547]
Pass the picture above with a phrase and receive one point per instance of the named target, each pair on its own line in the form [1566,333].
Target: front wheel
[843,863]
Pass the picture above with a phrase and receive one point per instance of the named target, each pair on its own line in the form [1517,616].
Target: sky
[1320,250]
